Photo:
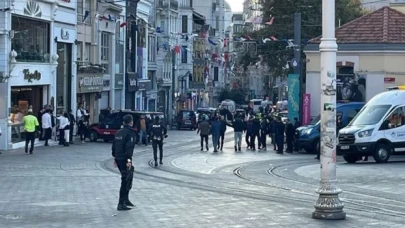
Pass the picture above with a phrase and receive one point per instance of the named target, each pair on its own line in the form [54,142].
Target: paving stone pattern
[71,187]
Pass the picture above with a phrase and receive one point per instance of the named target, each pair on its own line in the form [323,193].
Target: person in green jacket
[30,126]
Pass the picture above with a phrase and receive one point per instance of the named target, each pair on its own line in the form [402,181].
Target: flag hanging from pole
[86,15]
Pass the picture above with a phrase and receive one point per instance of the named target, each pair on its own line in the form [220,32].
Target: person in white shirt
[47,126]
[81,119]
[64,128]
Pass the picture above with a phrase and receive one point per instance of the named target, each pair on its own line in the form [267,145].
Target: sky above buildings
[236,5]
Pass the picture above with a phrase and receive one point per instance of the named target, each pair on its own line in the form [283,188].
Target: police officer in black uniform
[158,132]
[122,151]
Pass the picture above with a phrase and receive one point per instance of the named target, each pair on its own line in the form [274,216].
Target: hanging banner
[293,96]
[306,109]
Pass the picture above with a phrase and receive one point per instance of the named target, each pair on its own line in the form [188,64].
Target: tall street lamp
[328,205]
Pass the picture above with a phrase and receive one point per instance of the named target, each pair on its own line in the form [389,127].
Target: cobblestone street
[78,187]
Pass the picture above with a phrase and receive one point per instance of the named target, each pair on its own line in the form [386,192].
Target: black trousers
[71,132]
[155,145]
[61,137]
[29,137]
[263,140]
[280,143]
[204,138]
[48,135]
[247,139]
[252,139]
[221,140]
[126,183]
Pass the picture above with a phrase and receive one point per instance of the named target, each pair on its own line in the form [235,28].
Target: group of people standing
[216,127]
[256,128]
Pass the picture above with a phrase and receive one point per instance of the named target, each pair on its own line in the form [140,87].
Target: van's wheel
[93,136]
[351,159]
[382,153]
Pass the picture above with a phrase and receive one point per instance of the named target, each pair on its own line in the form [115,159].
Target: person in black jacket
[255,134]
[272,130]
[249,130]
[238,128]
[263,134]
[222,133]
[158,132]
[279,135]
[122,151]
[72,121]
[289,133]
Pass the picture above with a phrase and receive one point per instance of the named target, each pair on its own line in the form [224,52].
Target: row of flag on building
[259,20]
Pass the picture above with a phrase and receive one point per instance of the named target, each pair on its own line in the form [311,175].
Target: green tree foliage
[275,54]
[236,95]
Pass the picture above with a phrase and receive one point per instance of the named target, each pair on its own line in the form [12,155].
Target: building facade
[167,12]
[364,67]
[33,36]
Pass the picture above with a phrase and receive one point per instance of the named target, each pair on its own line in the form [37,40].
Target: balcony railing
[161,4]
[174,5]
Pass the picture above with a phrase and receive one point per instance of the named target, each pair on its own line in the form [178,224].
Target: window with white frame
[184,54]
[151,48]
[84,11]
[31,39]
[86,52]
[79,53]
[105,50]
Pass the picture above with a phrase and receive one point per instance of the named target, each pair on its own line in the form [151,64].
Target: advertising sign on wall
[351,87]
[90,83]
[306,109]
[293,96]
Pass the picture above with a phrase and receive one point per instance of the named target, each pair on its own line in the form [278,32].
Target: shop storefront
[144,86]
[105,95]
[29,89]
[29,61]
[89,89]
[119,86]
[132,88]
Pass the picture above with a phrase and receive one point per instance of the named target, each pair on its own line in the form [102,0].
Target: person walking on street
[238,128]
[47,126]
[30,126]
[63,126]
[289,133]
[82,121]
[72,122]
[222,133]
[215,132]
[272,130]
[264,128]
[249,131]
[142,127]
[280,135]
[122,151]
[255,134]
[39,118]
[204,130]
[158,133]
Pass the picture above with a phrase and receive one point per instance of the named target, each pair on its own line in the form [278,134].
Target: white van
[255,104]
[378,130]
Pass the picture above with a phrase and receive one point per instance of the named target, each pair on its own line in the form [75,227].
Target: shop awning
[198,18]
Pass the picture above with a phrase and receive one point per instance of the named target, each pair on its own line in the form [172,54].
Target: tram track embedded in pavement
[396,206]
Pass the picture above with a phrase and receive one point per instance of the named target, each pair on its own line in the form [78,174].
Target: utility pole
[131,7]
[173,79]
[328,206]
